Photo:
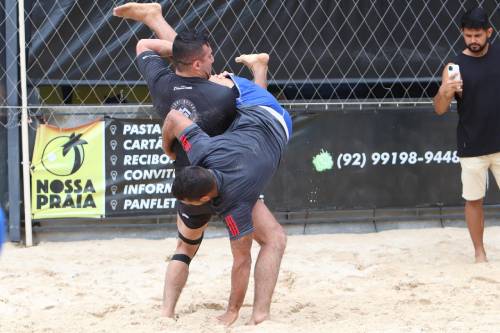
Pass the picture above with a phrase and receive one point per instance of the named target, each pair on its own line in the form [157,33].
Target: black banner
[370,159]
[138,175]
[360,159]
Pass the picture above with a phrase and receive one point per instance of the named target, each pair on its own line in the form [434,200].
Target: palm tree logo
[64,155]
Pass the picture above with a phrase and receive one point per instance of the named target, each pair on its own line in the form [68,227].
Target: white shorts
[475,174]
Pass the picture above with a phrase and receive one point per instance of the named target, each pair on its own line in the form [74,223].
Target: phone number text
[396,158]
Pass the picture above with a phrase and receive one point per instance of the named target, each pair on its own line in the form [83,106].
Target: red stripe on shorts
[233,229]
[185,143]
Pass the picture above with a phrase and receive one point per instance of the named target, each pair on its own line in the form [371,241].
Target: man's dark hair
[192,182]
[187,47]
[475,18]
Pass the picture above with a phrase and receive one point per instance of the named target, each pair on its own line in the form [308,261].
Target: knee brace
[185,258]
[182,257]
[191,241]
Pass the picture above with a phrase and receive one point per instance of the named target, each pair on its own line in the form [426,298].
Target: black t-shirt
[243,161]
[210,105]
[478,130]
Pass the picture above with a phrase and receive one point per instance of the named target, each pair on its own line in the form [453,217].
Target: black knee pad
[194,217]
[182,257]
[196,222]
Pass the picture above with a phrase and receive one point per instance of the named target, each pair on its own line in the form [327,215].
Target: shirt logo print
[183,88]
[185,106]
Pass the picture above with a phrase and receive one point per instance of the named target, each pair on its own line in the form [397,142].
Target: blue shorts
[253,95]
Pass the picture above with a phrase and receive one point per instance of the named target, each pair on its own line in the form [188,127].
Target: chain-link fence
[343,52]
[354,51]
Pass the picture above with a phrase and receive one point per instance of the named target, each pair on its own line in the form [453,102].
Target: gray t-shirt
[243,160]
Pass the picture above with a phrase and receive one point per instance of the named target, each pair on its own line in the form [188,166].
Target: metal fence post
[12,79]
[24,127]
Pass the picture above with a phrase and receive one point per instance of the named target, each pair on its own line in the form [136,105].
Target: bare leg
[177,271]
[240,275]
[475,222]
[258,64]
[150,14]
[272,239]
[175,279]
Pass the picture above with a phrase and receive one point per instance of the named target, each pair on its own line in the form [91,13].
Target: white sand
[393,281]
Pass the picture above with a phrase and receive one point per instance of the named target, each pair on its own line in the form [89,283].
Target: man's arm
[240,273]
[174,124]
[162,47]
[449,87]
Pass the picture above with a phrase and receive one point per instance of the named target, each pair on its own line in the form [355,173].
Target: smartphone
[454,69]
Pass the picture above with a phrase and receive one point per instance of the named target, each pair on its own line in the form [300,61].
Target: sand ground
[392,281]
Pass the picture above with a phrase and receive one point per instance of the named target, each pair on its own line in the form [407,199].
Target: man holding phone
[474,81]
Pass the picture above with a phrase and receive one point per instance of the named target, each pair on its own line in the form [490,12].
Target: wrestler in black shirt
[210,105]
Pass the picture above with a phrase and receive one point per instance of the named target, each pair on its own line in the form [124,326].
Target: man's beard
[476,48]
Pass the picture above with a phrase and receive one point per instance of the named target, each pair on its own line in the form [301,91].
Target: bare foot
[168,320]
[228,318]
[481,257]
[252,60]
[257,319]
[138,11]
[257,63]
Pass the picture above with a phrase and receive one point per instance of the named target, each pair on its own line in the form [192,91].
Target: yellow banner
[67,172]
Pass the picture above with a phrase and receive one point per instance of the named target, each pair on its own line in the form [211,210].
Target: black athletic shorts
[194,217]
